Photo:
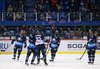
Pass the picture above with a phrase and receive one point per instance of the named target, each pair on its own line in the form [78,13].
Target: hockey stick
[48,50]
[5,49]
[82,54]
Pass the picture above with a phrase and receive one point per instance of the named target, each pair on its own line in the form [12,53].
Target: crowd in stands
[54,10]
[67,33]
[67,5]
[16,8]
[47,10]
[51,7]
[3,31]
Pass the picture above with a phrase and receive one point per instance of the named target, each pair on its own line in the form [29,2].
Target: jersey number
[38,38]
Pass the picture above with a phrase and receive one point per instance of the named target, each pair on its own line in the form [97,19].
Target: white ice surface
[62,61]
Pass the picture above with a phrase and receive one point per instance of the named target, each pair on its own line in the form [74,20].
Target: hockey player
[40,47]
[20,39]
[91,49]
[31,48]
[55,41]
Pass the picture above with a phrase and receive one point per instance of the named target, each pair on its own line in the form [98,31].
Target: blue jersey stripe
[91,45]
[31,45]
[19,43]
[53,45]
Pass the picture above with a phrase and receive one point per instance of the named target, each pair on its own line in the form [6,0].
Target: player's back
[32,38]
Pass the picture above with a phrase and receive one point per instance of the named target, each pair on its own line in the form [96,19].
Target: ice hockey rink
[62,61]
[65,59]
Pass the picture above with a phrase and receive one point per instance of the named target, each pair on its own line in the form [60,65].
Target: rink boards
[66,47]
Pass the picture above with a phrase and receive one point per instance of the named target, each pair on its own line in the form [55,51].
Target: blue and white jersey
[55,41]
[92,40]
[39,39]
[20,39]
[31,45]
[32,41]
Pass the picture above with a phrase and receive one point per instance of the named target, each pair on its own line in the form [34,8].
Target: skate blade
[78,59]
[33,64]
[2,50]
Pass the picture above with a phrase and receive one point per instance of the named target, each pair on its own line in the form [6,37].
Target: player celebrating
[40,47]
[20,39]
[31,49]
[55,41]
[92,40]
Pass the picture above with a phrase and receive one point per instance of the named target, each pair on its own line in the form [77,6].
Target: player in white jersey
[40,47]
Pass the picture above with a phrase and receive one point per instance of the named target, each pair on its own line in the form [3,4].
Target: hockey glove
[12,42]
[47,41]
[24,46]
[56,47]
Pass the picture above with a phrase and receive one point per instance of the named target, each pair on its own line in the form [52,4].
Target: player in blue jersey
[91,49]
[40,46]
[20,39]
[55,42]
[31,48]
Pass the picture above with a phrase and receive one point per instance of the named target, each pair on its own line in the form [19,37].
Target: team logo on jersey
[53,39]
[19,39]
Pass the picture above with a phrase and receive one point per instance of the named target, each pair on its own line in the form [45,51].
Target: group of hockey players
[36,45]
